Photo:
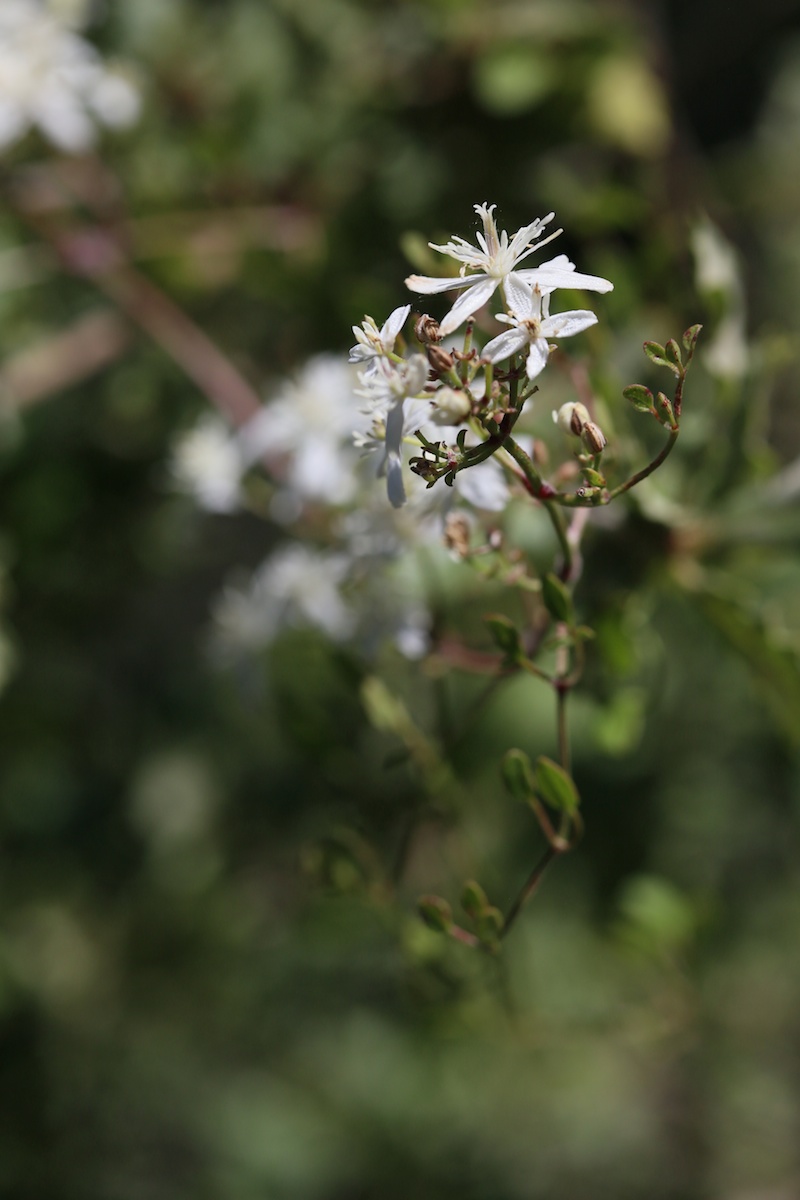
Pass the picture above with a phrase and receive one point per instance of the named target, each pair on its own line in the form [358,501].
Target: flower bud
[571,418]
[427,329]
[593,438]
[440,360]
[450,406]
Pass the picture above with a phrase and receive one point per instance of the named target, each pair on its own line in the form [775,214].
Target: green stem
[531,884]
[533,477]
[648,470]
[562,691]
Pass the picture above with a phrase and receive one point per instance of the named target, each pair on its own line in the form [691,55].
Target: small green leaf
[504,634]
[557,599]
[674,352]
[489,926]
[473,899]
[690,340]
[665,411]
[640,397]
[555,786]
[594,478]
[518,775]
[436,913]
[657,354]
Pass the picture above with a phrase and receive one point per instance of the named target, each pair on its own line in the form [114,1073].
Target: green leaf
[436,913]
[657,354]
[690,340]
[557,599]
[473,899]
[518,775]
[674,352]
[555,786]
[504,634]
[489,926]
[640,397]
[664,410]
[594,478]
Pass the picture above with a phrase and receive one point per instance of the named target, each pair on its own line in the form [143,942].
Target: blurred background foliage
[212,979]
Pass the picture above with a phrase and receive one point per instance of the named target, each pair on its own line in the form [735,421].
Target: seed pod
[427,329]
[593,438]
[440,360]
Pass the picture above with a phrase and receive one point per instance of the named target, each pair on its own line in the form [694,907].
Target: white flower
[531,326]
[207,463]
[305,435]
[388,388]
[296,586]
[373,343]
[53,79]
[496,258]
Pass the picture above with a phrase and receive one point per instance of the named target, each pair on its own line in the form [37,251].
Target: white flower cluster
[304,440]
[394,386]
[52,79]
[358,581]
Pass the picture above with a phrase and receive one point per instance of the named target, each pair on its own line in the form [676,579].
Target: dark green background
[210,985]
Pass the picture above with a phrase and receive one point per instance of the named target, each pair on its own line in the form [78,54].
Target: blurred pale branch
[93,342]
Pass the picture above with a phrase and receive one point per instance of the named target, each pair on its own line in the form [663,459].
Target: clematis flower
[52,78]
[496,258]
[388,388]
[531,326]
[373,343]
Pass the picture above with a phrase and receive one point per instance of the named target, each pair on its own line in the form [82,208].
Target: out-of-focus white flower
[388,388]
[305,435]
[716,265]
[717,270]
[53,79]
[207,463]
[531,326]
[373,343]
[296,586]
[496,258]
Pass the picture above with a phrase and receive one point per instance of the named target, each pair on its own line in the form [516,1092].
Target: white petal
[537,358]
[395,488]
[469,303]
[567,324]
[548,278]
[484,486]
[392,326]
[505,344]
[428,285]
[519,296]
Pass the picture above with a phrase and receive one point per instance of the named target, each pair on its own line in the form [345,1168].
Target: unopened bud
[571,418]
[450,406]
[427,329]
[593,438]
[440,360]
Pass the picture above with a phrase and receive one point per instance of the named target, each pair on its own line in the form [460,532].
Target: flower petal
[519,297]
[392,326]
[505,344]
[428,285]
[567,324]
[549,277]
[469,303]
[395,488]
[537,358]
